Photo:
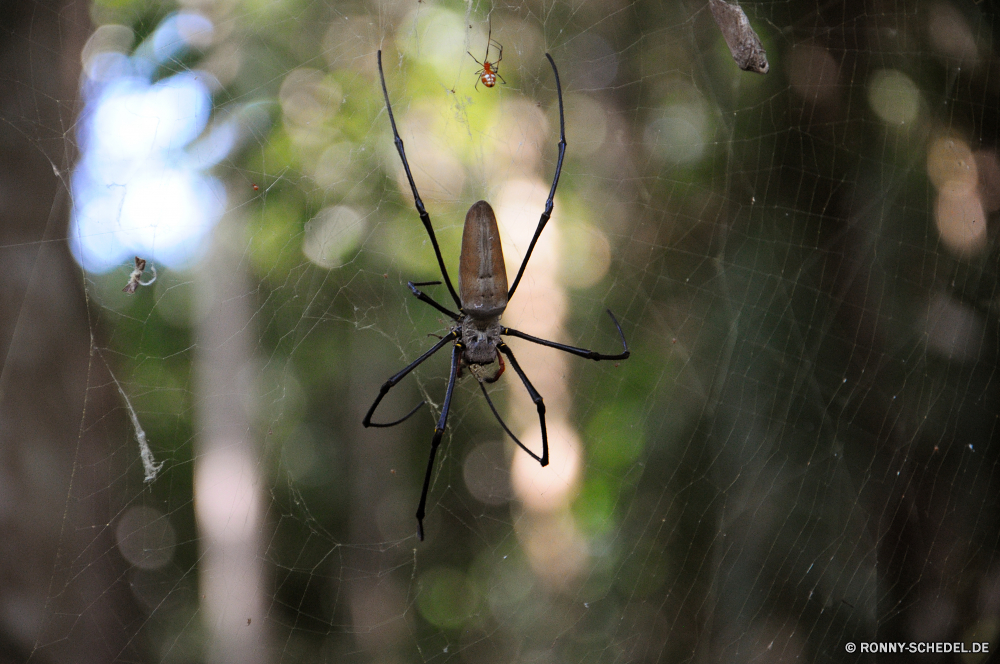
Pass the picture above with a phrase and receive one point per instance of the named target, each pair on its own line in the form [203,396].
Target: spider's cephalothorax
[477,334]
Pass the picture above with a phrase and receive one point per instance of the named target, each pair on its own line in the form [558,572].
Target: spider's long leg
[495,377]
[424,217]
[489,37]
[481,70]
[389,384]
[555,181]
[536,398]
[456,357]
[582,352]
[423,297]
[504,424]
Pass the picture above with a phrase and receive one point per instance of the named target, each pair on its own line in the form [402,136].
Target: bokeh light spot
[958,213]
[139,189]
[813,73]
[550,488]
[613,438]
[145,537]
[894,96]
[486,472]
[447,599]
[332,234]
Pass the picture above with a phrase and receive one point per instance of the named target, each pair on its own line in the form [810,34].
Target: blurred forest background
[801,451]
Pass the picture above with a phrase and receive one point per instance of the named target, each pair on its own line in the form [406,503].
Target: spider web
[796,457]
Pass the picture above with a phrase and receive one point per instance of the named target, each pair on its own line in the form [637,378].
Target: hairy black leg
[582,352]
[504,424]
[389,384]
[536,398]
[423,297]
[424,217]
[555,181]
[456,357]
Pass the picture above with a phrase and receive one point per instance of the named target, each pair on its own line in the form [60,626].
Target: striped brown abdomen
[482,276]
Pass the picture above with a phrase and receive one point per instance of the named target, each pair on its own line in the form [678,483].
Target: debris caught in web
[743,42]
[150,469]
[135,279]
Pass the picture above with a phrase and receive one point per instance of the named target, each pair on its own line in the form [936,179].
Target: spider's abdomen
[482,275]
[489,79]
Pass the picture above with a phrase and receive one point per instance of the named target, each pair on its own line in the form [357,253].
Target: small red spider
[255,187]
[490,71]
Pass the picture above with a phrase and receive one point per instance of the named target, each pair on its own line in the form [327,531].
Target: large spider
[477,331]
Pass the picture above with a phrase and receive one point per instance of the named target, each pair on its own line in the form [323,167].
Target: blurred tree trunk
[230,469]
[63,588]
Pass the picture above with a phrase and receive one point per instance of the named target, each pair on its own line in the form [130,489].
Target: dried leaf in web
[135,279]
[743,42]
